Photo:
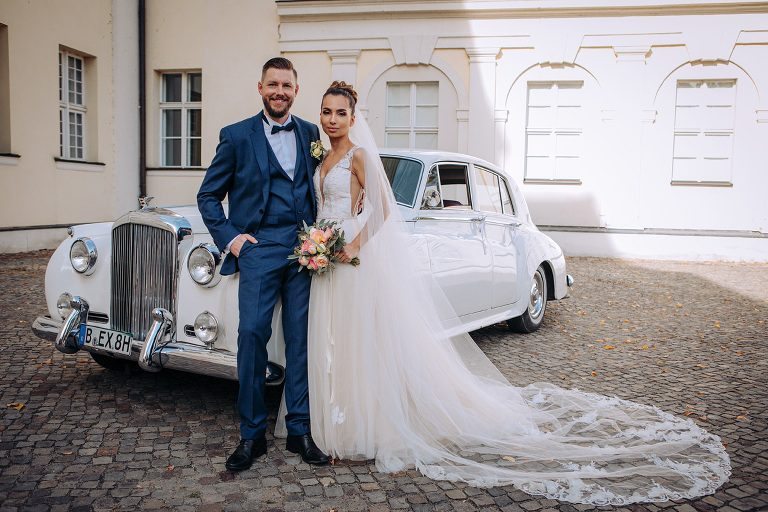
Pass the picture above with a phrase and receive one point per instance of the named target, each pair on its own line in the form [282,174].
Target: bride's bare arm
[357,168]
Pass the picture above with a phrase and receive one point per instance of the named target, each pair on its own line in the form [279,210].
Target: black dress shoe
[246,453]
[306,447]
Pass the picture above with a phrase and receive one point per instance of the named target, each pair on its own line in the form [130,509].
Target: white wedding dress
[388,382]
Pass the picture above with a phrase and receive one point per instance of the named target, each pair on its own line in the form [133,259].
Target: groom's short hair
[279,63]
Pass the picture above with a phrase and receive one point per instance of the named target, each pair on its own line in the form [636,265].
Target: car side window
[507,206]
[493,193]
[403,176]
[488,192]
[447,187]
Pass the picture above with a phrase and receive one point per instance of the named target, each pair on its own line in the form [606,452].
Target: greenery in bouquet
[318,246]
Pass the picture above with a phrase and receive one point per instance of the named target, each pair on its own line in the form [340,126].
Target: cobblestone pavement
[687,337]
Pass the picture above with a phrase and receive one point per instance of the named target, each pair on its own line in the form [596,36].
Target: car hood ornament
[144,201]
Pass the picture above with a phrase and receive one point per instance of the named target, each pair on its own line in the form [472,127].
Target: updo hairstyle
[343,89]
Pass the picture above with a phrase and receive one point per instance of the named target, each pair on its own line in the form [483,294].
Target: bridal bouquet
[319,244]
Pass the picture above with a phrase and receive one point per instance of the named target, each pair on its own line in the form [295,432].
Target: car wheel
[110,363]
[533,315]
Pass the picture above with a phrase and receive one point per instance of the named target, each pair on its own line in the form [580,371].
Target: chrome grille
[144,271]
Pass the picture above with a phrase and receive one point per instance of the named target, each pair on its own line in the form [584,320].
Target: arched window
[414,107]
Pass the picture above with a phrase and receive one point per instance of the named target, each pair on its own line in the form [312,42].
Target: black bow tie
[288,127]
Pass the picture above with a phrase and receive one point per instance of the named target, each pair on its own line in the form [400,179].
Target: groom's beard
[274,113]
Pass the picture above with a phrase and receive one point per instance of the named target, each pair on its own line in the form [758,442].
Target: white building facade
[634,128]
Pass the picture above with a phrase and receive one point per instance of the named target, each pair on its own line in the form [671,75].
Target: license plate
[105,339]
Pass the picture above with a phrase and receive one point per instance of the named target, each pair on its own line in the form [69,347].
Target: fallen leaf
[510,459]
[609,347]
[169,468]
[688,413]
[15,405]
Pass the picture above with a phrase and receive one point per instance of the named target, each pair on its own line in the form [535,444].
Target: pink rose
[322,261]
[303,261]
[328,233]
[305,246]
[317,236]
[313,263]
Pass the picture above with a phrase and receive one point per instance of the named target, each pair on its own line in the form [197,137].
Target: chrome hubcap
[536,301]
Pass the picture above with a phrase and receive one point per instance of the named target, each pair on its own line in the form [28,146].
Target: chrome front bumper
[173,355]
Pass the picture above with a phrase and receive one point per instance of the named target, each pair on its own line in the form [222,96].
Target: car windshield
[404,176]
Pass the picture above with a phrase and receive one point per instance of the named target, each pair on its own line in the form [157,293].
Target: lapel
[273,159]
[303,157]
[261,150]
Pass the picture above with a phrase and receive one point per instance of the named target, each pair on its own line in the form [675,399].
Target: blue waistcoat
[289,204]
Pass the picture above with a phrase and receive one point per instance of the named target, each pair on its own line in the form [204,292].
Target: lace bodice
[333,195]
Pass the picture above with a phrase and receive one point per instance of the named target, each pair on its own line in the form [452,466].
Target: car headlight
[83,255]
[64,305]
[202,263]
[206,327]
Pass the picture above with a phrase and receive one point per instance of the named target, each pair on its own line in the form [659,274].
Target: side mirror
[431,198]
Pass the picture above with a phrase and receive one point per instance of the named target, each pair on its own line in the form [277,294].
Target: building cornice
[338,10]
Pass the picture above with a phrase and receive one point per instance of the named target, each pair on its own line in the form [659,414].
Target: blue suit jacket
[240,168]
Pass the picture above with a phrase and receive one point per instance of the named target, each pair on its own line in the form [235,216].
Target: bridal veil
[393,378]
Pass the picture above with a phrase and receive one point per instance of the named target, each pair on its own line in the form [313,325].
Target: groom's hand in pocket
[237,243]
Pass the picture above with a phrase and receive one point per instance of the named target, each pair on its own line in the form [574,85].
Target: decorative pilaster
[344,65]
[629,122]
[482,91]
[462,116]
[500,123]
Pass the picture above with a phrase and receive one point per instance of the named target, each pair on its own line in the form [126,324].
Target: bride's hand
[349,252]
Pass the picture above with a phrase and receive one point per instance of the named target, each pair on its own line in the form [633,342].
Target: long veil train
[418,393]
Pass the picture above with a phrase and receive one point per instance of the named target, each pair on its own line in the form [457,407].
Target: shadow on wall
[555,206]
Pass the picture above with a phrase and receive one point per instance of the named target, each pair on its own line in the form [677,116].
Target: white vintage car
[147,287]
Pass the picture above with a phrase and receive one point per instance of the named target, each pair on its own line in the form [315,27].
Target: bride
[390,380]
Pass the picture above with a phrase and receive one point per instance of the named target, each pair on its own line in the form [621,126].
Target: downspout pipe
[142,100]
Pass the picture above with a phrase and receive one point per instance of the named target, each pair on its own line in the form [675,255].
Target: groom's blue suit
[266,203]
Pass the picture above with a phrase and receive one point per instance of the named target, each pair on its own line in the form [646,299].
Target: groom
[264,165]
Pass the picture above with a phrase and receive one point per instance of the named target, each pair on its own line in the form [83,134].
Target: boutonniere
[317,150]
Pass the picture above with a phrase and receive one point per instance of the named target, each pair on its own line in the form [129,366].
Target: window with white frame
[704,119]
[412,110]
[71,106]
[181,118]
[553,131]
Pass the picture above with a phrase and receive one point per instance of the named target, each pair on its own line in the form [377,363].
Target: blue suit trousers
[267,274]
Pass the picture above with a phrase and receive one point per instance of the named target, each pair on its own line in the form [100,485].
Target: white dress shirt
[283,144]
